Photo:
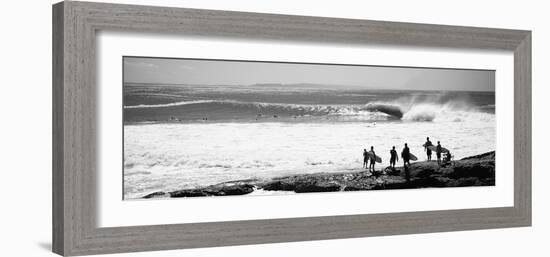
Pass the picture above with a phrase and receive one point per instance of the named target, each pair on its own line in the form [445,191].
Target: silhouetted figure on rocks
[372,158]
[448,157]
[365,158]
[406,156]
[427,148]
[393,157]
[438,150]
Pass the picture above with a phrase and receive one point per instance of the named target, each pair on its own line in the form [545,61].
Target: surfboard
[377,158]
[412,157]
[434,149]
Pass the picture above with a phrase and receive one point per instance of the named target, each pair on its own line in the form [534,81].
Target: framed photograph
[181,128]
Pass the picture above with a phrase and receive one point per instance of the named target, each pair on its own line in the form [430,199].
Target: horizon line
[299,83]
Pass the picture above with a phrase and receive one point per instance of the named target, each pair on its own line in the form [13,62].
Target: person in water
[427,148]
[372,158]
[365,158]
[406,155]
[393,157]
[438,150]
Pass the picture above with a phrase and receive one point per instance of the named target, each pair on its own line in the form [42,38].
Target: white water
[164,157]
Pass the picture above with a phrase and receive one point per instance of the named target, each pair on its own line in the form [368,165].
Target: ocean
[186,136]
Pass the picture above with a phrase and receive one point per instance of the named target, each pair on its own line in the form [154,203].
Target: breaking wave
[406,109]
[432,109]
[168,104]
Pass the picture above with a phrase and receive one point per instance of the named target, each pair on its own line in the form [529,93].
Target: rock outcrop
[478,170]
[228,188]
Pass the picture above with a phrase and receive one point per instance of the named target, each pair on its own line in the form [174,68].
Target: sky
[222,72]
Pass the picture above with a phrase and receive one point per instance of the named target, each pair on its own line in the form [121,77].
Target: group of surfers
[370,156]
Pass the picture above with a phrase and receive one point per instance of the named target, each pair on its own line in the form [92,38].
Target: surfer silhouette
[427,148]
[372,158]
[447,156]
[365,158]
[406,155]
[438,151]
[393,157]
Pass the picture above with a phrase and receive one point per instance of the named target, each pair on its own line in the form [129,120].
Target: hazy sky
[182,71]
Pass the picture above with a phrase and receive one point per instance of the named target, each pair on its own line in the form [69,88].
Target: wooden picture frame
[74,130]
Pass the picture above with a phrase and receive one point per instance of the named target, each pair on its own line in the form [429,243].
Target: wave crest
[406,109]
[429,110]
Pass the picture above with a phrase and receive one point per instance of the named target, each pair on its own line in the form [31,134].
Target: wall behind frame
[25,131]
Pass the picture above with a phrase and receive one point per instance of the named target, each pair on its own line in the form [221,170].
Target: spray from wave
[427,109]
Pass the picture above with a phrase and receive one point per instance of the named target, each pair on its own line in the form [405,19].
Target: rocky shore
[478,170]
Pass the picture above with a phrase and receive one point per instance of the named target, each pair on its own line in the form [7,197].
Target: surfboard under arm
[377,158]
[434,148]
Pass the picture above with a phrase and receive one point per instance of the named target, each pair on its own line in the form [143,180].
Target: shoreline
[476,170]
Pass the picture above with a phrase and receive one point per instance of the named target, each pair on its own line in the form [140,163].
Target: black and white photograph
[199,127]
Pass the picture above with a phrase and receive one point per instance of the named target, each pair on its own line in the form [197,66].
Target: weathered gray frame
[74,126]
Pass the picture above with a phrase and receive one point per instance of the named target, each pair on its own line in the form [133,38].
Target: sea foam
[164,157]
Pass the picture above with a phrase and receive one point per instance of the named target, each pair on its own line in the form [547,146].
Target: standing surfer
[365,158]
[406,155]
[393,157]
[427,148]
[448,157]
[372,158]
[438,151]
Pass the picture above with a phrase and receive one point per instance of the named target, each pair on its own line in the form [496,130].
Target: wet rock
[471,168]
[390,182]
[317,187]
[437,181]
[464,182]
[236,189]
[478,170]
[391,171]
[216,190]
[157,195]
[188,193]
[279,185]
[356,188]
[423,169]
